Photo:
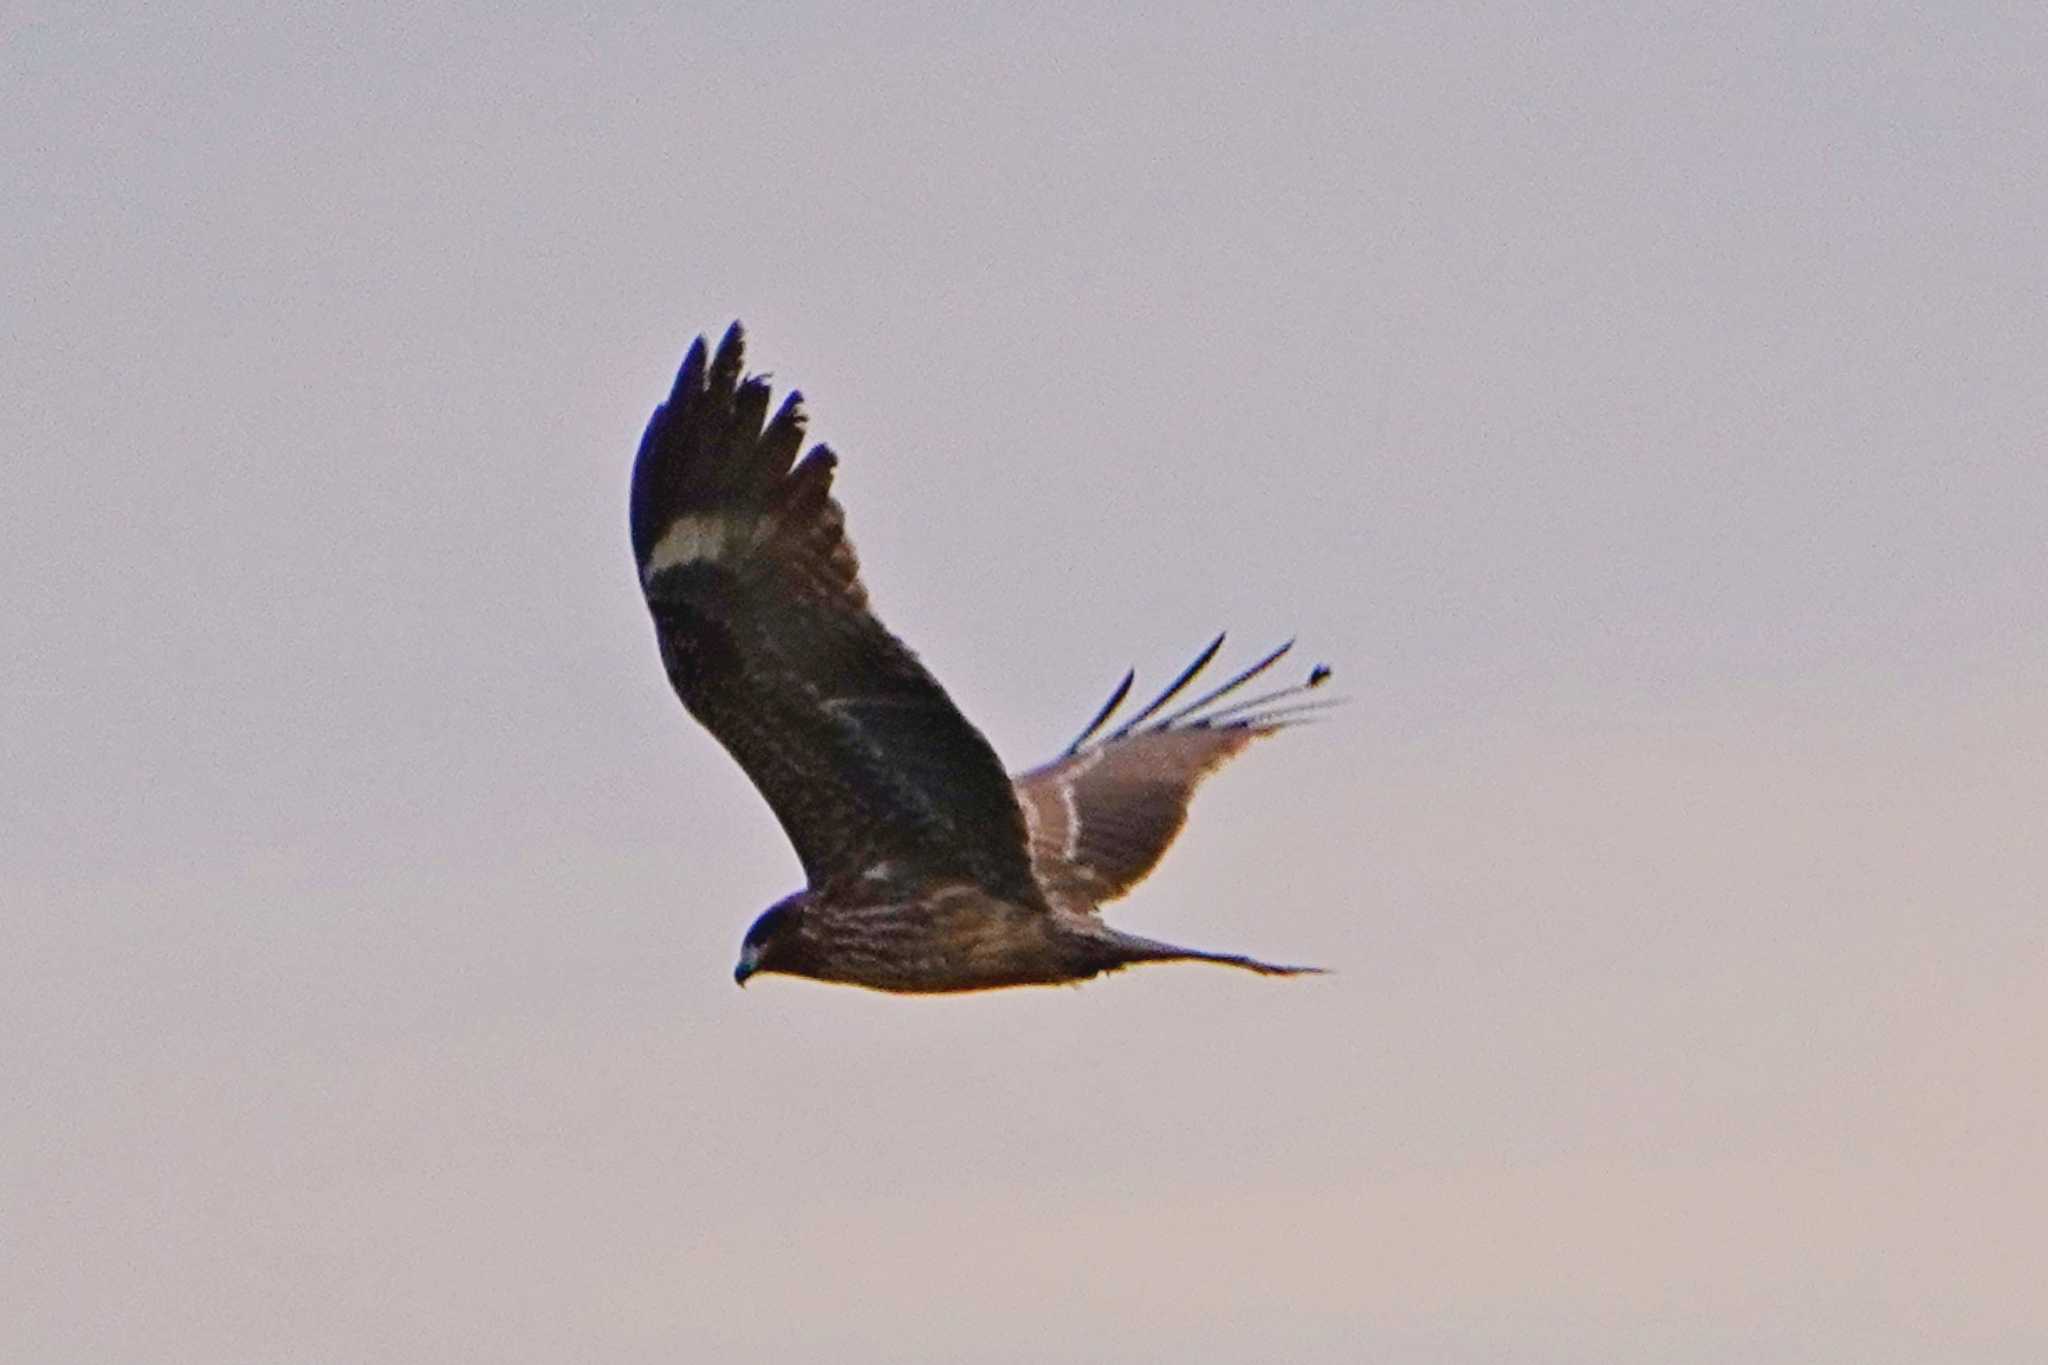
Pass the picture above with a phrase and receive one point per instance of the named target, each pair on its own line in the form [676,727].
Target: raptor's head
[771,944]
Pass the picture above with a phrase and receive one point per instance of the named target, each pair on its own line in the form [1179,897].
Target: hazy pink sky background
[1643,407]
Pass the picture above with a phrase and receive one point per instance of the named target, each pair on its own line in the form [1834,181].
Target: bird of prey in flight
[929,868]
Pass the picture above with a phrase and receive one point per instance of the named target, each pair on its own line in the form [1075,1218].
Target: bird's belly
[950,945]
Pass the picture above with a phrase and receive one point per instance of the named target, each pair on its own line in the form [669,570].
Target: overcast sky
[1641,407]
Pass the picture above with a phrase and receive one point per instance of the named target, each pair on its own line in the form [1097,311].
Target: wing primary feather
[1216,693]
[1172,689]
[784,436]
[1262,704]
[690,378]
[758,465]
[749,412]
[725,366]
[1272,717]
[661,470]
[1116,698]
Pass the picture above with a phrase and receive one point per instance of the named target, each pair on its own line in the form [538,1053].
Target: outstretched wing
[765,631]
[1102,814]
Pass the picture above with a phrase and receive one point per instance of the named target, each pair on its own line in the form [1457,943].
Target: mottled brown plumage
[928,868]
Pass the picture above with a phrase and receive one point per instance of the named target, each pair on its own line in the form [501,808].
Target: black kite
[929,868]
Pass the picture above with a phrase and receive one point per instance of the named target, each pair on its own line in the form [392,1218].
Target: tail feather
[1133,949]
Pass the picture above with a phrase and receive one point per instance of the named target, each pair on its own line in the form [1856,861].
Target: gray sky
[1640,406]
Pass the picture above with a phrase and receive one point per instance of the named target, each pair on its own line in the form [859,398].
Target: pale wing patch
[1067,799]
[703,538]
[1029,806]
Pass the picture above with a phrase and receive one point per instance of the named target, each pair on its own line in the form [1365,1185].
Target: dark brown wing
[765,631]
[1102,814]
